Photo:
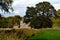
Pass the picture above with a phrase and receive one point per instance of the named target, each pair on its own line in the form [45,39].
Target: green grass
[50,34]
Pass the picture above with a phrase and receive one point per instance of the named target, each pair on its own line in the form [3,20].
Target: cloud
[20,6]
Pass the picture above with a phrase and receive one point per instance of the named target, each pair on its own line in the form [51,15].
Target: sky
[20,6]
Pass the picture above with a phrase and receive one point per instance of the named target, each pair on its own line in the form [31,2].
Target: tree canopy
[45,8]
[42,10]
[6,5]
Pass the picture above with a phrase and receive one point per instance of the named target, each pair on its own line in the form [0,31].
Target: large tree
[5,6]
[42,10]
[29,14]
[41,22]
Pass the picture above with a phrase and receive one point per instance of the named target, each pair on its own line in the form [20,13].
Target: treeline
[56,21]
[8,22]
[43,15]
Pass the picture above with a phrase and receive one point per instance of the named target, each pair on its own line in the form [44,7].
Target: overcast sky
[19,6]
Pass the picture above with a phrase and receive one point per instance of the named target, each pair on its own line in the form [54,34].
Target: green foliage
[3,22]
[41,22]
[40,15]
[58,13]
[9,21]
[6,5]
[56,21]
[0,16]
[46,8]
[50,34]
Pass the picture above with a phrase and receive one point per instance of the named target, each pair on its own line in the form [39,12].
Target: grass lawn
[50,34]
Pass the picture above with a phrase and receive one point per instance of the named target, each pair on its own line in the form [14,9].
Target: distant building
[21,25]
[24,25]
[16,26]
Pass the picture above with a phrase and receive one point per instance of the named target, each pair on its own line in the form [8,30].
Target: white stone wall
[15,27]
[24,25]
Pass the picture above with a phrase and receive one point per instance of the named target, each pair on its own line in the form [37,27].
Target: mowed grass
[46,34]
